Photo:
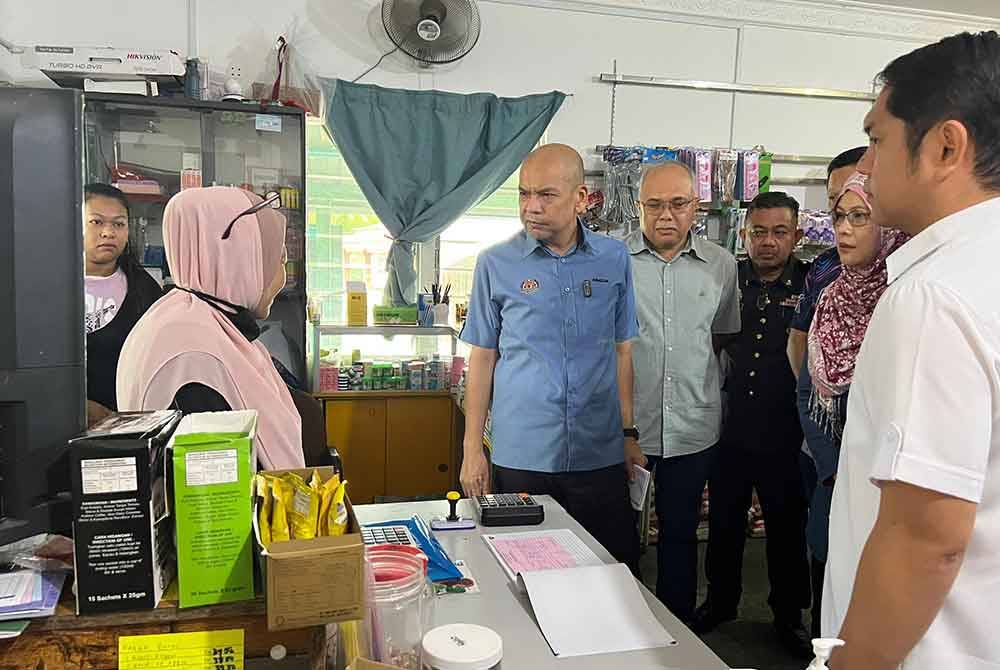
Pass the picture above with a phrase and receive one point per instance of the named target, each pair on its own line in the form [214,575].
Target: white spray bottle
[822,648]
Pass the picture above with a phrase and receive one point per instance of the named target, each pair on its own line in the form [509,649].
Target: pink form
[527,554]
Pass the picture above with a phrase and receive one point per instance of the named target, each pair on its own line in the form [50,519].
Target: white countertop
[503,608]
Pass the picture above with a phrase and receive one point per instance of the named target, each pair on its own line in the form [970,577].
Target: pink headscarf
[842,315]
[182,339]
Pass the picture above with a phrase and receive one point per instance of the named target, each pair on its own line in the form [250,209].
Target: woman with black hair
[117,291]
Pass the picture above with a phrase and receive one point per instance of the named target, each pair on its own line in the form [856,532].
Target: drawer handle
[442,468]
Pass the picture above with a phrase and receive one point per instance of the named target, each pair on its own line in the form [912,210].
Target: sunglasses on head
[272,200]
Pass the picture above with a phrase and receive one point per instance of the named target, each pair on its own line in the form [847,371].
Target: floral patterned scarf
[842,314]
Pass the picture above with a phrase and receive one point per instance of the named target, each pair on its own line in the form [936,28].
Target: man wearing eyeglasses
[762,437]
[686,299]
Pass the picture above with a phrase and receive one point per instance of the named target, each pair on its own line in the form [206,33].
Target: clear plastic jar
[400,607]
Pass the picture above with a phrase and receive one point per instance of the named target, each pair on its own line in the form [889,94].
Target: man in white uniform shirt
[913,577]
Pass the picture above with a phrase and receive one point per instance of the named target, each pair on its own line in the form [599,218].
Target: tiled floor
[749,641]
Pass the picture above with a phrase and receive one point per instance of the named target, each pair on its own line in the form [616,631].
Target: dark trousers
[679,483]
[778,480]
[818,573]
[597,499]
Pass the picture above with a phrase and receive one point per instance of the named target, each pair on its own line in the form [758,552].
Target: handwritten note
[203,650]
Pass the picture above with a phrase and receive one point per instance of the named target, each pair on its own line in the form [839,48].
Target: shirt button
[756,354]
[566,289]
[668,291]
[670,348]
[763,321]
[751,394]
[562,260]
[759,336]
[753,373]
[571,323]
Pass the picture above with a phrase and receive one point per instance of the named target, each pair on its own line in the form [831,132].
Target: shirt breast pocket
[598,301]
[705,304]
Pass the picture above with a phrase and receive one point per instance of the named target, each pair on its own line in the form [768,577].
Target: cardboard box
[213,464]
[365,664]
[123,547]
[388,315]
[357,304]
[317,581]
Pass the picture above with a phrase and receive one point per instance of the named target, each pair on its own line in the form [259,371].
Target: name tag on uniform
[791,301]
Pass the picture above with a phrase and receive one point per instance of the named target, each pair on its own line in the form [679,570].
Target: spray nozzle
[822,648]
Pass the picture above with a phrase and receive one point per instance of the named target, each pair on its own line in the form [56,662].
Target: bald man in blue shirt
[551,314]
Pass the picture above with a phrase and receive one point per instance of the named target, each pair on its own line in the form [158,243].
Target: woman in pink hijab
[196,348]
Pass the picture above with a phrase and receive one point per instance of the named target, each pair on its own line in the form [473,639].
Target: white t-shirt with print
[104,297]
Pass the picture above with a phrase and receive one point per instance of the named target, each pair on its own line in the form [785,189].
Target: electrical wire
[384,56]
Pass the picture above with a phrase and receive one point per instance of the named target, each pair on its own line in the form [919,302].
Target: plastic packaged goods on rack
[723,179]
[432,373]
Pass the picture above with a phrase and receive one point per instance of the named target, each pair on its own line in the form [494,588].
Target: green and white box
[213,465]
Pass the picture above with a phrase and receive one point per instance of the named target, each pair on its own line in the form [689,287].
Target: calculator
[372,535]
[509,509]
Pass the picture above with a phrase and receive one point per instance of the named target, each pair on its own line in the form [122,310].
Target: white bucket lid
[462,647]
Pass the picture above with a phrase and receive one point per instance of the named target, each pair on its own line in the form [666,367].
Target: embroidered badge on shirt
[529,286]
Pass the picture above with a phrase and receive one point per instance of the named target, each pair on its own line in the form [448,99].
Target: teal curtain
[422,158]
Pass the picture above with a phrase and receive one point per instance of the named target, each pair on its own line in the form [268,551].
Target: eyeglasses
[857,218]
[656,207]
[761,233]
[272,200]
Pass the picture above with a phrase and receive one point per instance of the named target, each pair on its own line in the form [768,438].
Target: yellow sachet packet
[337,514]
[279,512]
[329,487]
[264,509]
[303,507]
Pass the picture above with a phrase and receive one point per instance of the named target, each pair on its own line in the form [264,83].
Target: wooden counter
[65,641]
[394,443]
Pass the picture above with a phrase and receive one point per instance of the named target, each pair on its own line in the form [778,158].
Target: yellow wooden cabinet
[393,443]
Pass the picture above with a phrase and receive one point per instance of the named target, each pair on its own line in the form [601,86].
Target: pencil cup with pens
[434,306]
[400,607]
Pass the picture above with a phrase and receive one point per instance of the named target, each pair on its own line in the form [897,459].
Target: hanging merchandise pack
[725,175]
[621,191]
[817,227]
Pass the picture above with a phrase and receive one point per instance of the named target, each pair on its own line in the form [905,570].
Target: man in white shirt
[913,577]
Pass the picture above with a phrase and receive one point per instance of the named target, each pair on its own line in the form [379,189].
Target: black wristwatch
[632,432]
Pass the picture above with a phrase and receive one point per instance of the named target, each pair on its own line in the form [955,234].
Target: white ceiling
[985,8]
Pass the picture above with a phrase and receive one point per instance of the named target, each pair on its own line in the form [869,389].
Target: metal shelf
[388,331]
[727,87]
[798,181]
[801,159]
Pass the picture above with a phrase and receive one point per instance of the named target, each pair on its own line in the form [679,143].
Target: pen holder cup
[441,315]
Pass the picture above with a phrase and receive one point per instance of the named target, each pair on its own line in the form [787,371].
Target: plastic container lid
[462,647]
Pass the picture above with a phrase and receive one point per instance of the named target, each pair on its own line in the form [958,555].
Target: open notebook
[583,606]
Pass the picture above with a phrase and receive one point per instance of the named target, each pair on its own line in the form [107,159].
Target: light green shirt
[680,303]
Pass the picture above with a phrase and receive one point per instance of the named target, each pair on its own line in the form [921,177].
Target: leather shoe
[795,639]
[707,618]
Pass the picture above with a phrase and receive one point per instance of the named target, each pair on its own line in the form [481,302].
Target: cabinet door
[418,446]
[357,429]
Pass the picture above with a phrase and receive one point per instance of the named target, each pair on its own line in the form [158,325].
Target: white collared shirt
[924,409]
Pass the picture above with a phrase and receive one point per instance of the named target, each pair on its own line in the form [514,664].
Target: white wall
[550,44]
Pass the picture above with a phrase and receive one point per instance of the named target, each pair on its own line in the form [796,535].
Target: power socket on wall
[236,72]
